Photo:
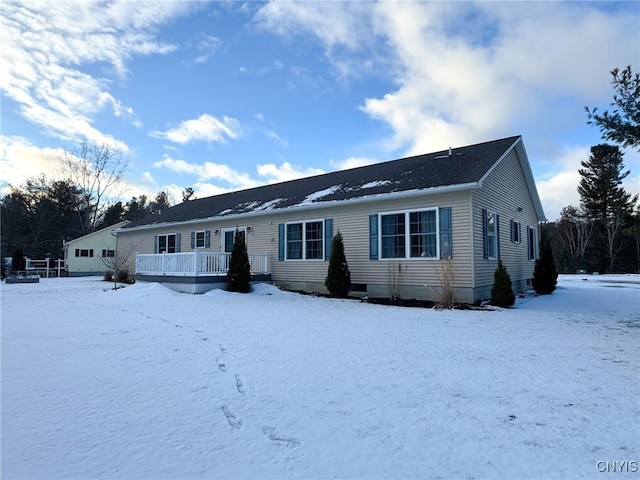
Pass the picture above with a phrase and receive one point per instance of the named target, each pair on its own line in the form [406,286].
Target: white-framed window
[108,253]
[167,243]
[516,232]
[409,234]
[199,240]
[228,237]
[304,240]
[491,234]
[84,252]
[532,243]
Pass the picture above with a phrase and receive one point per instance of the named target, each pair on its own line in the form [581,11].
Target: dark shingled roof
[466,165]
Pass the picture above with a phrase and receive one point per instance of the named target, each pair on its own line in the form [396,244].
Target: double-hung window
[515,231]
[393,230]
[423,234]
[491,234]
[167,243]
[199,239]
[304,240]
[409,234]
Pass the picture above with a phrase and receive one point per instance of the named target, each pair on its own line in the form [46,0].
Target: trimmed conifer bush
[338,279]
[502,292]
[18,262]
[545,275]
[239,274]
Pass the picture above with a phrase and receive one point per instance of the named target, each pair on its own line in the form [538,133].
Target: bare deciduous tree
[118,262]
[97,170]
[575,231]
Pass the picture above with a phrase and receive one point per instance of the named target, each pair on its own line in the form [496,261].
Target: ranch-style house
[400,221]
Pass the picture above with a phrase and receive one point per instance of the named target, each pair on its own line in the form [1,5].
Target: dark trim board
[22,279]
[196,284]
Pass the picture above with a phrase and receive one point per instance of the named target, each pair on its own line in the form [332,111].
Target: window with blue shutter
[201,239]
[373,237]
[281,242]
[446,247]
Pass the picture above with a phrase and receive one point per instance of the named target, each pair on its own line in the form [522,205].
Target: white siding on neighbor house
[96,241]
[352,220]
[504,191]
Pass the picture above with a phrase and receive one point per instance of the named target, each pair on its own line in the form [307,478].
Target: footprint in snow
[271,434]
[240,386]
[221,365]
[223,349]
[233,421]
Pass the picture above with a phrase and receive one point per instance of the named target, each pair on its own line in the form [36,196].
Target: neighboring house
[399,220]
[92,254]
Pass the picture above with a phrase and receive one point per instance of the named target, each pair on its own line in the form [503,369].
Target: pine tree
[604,199]
[622,124]
[239,274]
[338,279]
[545,275]
[502,292]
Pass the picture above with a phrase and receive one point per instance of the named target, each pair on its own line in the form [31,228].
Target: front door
[228,238]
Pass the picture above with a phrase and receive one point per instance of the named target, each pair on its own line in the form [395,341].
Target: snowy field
[148,383]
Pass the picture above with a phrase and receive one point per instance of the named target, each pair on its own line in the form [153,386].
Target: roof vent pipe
[450,152]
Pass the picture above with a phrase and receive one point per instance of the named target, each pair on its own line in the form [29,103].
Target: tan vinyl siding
[352,220]
[504,191]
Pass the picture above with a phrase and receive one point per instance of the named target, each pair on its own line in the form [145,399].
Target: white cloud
[558,188]
[148,179]
[45,45]
[352,162]
[205,127]
[207,45]
[285,171]
[20,160]
[267,173]
[208,171]
[469,72]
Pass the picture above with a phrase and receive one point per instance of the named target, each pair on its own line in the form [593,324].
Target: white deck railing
[195,264]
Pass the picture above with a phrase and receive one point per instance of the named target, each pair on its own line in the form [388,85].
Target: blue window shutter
[193,239]
[446,247]
[155,244]
[373,237]
[207,239]
[328,237]
[498,234]
[485,230]
[281,242]
[178,242]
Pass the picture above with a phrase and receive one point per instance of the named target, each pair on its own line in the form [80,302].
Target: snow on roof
[378,183]
[320,194]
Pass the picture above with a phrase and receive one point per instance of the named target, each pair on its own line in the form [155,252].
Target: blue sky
[227,95]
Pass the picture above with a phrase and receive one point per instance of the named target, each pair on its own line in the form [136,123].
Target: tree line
[602,233]
[38,216]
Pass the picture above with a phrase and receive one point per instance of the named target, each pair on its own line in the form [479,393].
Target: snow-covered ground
[148,383]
